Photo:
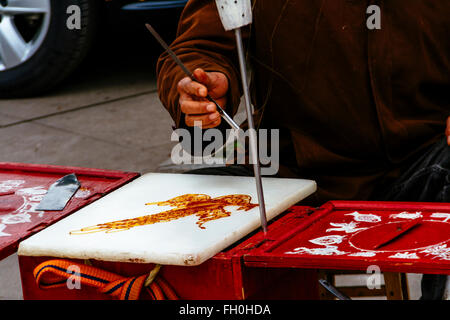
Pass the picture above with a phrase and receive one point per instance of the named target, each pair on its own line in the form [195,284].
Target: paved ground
[105,116]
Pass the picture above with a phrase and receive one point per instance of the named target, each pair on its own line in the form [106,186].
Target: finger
[202,77]
[209,79]
[213,124]
[206,120]
[447,131]
[186,85]
[189,106]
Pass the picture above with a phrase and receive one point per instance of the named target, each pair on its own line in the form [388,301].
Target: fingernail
[202,92]
[214,116]
[211,108]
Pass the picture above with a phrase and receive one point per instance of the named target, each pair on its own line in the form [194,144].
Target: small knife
[59,194]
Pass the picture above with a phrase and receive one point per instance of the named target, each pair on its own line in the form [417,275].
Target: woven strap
[55,273]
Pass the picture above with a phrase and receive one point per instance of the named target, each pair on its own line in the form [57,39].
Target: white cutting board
[177,242]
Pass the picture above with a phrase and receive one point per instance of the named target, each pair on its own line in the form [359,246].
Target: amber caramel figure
[200,205]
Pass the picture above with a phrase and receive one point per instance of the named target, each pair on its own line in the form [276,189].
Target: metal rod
[177,60]
[252,136]
[333,290]
[169,51]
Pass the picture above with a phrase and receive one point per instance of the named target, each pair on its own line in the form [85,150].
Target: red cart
[285,264]
[22,187]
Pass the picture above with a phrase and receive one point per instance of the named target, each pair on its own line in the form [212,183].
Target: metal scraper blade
[59,194]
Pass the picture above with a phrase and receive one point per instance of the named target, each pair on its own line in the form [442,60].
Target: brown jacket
[354,106]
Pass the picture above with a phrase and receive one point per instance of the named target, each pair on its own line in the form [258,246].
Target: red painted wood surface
[223,277]
[341,235]
[22,186]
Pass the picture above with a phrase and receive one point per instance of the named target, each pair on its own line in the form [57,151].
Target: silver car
[43,41]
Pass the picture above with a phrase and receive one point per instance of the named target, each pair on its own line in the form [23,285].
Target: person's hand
[193,102]
[447,131]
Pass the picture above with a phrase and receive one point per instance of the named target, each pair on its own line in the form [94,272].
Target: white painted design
[345,227]
[445,216]
[32,197]
[407,215]
[363,254]
[9,185]
[33,191]
[3,234]
[438,251]
[364,217]
[404,255]
[327,240]
[15,218]
[327,251]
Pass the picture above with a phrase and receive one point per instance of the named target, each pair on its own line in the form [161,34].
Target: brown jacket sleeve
[201,42]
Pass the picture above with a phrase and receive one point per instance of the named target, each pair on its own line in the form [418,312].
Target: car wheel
[37,48]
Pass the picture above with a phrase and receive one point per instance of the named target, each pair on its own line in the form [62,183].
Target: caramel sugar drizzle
[200,205]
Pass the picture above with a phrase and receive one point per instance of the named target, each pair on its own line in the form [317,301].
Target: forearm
[201,43]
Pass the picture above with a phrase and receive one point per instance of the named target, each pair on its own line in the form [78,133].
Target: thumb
[203,77]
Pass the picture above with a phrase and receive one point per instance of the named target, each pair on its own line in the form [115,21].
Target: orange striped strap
[55,273]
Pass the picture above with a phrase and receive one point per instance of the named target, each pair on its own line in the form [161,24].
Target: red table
[284,264]
[22,187]
[341,234]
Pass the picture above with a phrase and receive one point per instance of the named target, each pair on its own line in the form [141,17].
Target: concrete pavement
[107,116]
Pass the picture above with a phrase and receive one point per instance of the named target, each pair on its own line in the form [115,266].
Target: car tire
[59,52]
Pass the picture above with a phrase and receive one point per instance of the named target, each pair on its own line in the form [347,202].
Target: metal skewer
[177,60]
[252,137]
[234,15]
[333,290]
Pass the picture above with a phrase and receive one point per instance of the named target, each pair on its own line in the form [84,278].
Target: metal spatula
[59,193]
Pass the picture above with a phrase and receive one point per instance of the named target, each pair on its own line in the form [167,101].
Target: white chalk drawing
[3,234]
[327,251]
[438,251]
[345,227]
[407,215]
[15,218]
[10,185]
[327,240]
[404,255]
[364,217]
[445,216]
[363,254]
